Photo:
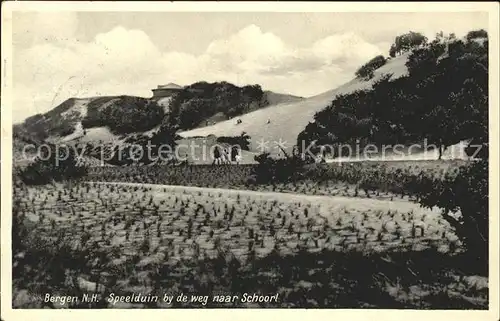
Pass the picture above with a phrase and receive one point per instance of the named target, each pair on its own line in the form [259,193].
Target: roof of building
[169,86]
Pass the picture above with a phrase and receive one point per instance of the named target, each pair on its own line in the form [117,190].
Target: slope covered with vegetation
[201,100]
[443,99]
[124,114]
[194,106]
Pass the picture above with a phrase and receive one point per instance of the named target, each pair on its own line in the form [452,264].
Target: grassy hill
[288,119]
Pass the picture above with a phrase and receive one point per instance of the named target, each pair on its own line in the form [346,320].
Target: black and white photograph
[184,158]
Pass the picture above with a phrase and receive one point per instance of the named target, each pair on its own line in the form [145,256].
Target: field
[320,244]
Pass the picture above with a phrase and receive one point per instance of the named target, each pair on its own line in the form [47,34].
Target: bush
[63,130]
[366,71]
[146,150]
[270,170]
[56,164]
[466,192]
[127,115]
[49,263]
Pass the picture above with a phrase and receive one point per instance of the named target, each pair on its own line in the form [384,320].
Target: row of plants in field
[190,175]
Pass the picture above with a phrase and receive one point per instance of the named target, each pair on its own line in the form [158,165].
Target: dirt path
[396,204]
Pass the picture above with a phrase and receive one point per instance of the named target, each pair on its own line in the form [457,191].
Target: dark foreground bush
[271,170]
[54,164]
[466,192]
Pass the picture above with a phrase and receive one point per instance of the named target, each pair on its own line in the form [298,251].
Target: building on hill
[168,90]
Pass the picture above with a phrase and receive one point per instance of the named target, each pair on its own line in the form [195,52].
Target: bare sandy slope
[289,119]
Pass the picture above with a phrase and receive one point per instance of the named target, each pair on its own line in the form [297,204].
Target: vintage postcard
[243,160]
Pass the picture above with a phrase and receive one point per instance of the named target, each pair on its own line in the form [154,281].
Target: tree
[441,128]
[366,71]
[253,92]
[406,42]
[285,169]
[392,51]
[477,34]
[127,114]
[202,100]
[466,191]
[193,111]
[423,61]
[160,146]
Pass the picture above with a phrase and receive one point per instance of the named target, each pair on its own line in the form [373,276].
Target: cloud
[126,61]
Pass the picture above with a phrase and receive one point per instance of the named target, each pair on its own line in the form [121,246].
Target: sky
[59,55]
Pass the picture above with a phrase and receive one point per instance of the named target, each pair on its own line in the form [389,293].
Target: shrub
[366,71]
[56,164]
[127,115]
[269,169]
[64,129]
[146,150]
[467,192]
